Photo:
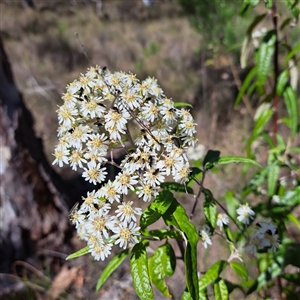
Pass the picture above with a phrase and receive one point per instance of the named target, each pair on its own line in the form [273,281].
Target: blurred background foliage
[192,47]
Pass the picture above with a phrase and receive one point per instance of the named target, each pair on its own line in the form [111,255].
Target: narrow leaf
[245,85]
[212,274]
[177,217]
[177,104]
[239,269]
[78,253]
[220,289]
[292,53]
[140,273]
[273,175]
[282,82]
[264,57]
[237,159]
[292,108]
[111,267]
[210,158]
[294,219]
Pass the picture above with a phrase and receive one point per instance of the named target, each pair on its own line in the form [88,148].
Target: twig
[275,65]
[82,47]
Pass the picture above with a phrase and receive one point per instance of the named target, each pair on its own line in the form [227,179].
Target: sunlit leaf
[291,103]
[239,269]
[78,253]
[140,273]
[212,274]
[220,289]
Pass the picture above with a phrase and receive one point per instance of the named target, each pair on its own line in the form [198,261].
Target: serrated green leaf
[239,269]
[176,187]
[156,209]
[292,53]
[245,85]
[282,82]
[292,107]
[140,273]
[220,289]
[177,217]
[114,263]
[212,274]
[273,176]
[78,253]
[162,264]
[182,104]
[237,159]
[264,57]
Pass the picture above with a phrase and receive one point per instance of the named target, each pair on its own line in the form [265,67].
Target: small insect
[114,108]
[155,172]
[144,135]
[86,98]
[81,91]
[151,160]
[73,213]
[98,122]
[71,130]
[269,232]
[177,141]
[102,105]
[104,68]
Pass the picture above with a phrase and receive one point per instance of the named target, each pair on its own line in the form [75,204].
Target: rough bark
[33,198]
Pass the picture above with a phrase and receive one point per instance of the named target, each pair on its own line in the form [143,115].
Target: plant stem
[276,71]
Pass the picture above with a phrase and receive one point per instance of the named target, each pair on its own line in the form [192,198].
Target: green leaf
[245,85]
[212,274]
[140,273]
[177,217]
[210,209]
[291,198]
[114,263]
[239,269]
[282,82]
[292,53]
[292,107]
[177,104]
[221,292]
[255,22]
[264,57]
[237,159]
[273,175]
[176,187]
[210,158]
[294,219]
[165,234]
[186,296]
[156,209]
[78,253]
[162,264]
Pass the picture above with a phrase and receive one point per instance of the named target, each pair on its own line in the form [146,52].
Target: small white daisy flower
[245,213]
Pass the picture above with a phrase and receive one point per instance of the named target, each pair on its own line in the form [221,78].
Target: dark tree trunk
[33,198]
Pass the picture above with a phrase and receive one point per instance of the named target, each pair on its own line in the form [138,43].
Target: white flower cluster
[103,111]
[265,236]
